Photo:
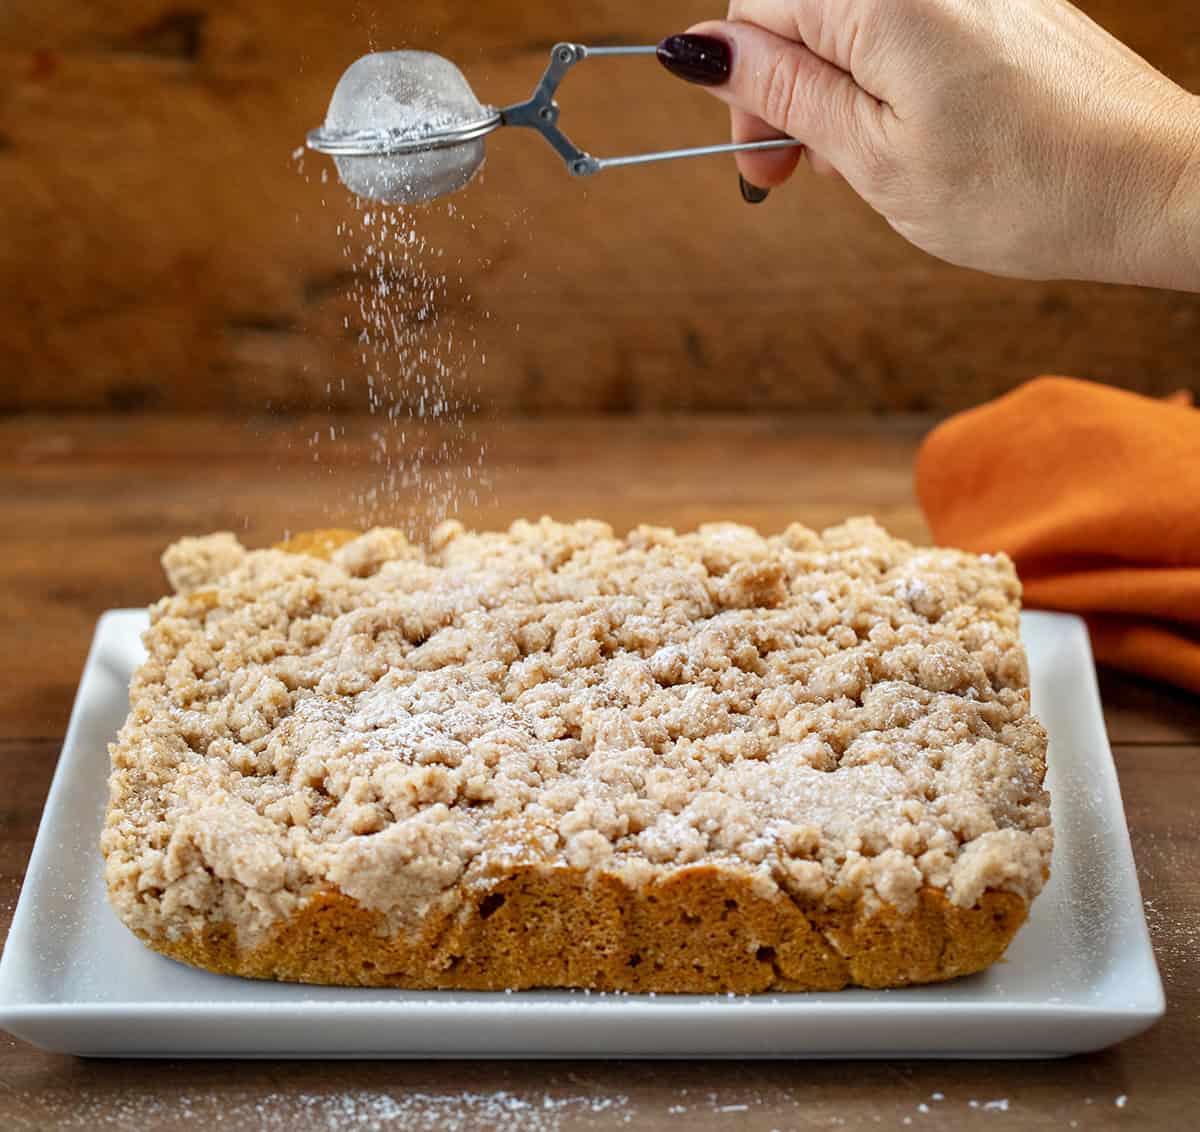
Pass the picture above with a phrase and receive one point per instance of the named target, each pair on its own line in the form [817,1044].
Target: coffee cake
[711,761]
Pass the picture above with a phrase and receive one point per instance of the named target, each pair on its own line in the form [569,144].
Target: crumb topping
[842,715]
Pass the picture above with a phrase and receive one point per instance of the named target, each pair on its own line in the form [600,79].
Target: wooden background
[160,248]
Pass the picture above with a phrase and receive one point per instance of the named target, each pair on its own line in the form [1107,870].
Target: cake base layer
[698,930]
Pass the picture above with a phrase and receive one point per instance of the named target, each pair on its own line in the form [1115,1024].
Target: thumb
[785,85]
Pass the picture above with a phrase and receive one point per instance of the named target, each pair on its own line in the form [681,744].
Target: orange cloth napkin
[1095,493]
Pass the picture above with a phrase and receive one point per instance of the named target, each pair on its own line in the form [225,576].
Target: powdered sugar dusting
[585,1103]
[365,1110]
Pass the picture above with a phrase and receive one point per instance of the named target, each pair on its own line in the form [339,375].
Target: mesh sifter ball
[405,127]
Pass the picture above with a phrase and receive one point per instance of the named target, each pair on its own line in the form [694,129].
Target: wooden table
[89,503]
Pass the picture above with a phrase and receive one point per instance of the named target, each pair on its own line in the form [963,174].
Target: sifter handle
[540,112]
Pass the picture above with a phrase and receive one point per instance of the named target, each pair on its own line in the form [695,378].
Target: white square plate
[1079,976]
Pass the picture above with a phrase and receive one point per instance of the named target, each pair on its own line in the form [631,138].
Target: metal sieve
[405,127]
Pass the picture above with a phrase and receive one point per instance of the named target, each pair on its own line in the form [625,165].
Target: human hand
[1013,136]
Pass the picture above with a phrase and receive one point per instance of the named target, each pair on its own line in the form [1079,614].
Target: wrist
[1185,202]
[1168,251]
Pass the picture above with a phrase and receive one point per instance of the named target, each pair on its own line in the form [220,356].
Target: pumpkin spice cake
[712,761]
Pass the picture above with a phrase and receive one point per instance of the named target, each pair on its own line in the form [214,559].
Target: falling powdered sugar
[408,355]
[412,363]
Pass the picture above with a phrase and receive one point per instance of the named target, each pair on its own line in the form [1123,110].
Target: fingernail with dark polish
[752,194]
[702,59]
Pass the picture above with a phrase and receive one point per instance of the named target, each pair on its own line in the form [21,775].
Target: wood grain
[159,246]
[88,503]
